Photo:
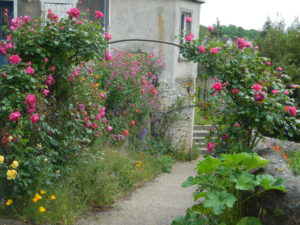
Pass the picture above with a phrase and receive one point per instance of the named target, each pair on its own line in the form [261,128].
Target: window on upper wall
[185,26]
[59,7]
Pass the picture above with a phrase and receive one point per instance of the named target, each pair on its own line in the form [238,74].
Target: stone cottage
[144,19]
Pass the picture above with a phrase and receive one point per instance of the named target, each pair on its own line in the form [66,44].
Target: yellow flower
[1,159]
[96,85]
[92,74]
[9,202]
[97,76]
[42,209]
[83,79]
[10,138]
[36,198]
[14,164]
[42,192]
[52,197]
[11,174]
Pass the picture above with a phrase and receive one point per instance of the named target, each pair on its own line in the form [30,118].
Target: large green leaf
[191,218]
[246,181]
[268,182]
[208,165]
[218,201]
[244,161]
[249,221]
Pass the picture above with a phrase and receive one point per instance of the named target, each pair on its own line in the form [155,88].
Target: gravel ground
[158,203]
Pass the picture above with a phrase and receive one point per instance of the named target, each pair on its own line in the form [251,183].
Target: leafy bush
[254,98]
[222,184]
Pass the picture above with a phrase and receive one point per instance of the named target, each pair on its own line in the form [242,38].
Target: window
[58,7]
[185,27]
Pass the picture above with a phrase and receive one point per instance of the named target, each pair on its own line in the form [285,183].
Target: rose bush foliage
[40,124]
[256,97]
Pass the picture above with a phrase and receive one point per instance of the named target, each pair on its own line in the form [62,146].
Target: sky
[248,14]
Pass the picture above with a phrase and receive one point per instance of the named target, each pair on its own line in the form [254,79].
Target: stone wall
[176,98]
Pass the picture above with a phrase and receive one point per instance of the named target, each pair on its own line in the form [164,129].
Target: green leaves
[270,183]
[208,165]
[246,182]
[219,201]
[249,221]
[191,218]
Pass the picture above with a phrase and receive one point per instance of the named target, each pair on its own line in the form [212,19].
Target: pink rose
[189,37]
[256,87]
[104,121]
[293,86]
[74,13]
[211,28]
[52,68]
[286,92]
[260,97]
[279,69]
[50,80]
[29,70]
[27,19]
[34,118]
[13,117]
[275,91]
[188,19]
[46,92]
[87,124]
[81,107]
[99,116]
[30,100]
[95,125]
[236,125]
[10,46]
[224,136]
[46,60]
[240,42]
[248,44]
[287,108]
[107,36]
[217,86]
[214,50]
[210,146]
[99,14]
[108,128]
[108,56]
[268,63]
[235,91]
[101,95]
[3,51]
[15,59]
[201,49]
[293,111]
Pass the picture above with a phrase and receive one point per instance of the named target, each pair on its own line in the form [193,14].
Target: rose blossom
[104,121]
[107,36]
[236,125]
[27,19]
[30,100]
[217,86]
[81,107]
[108,56]
[214,50]
[294,86]
[108,128]
[256,87]
[235,91]
[260,97]
[275,91]
[15,59]
[240,42]
[202,49]
[224,136]
[210,146]
[50,80]
[74,12]
[46,92]
[189,37]
[34,118]
[46,60]
[293,111]
[286,92]
[132,123]
[279,69]
[29,70]
[188,19]
[99,14]
[211,28]
[13,117]
[268,63]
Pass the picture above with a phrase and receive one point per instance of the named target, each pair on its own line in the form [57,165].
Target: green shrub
[222,184]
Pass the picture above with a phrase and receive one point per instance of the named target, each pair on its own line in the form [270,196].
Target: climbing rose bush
[252,94]
[40,125]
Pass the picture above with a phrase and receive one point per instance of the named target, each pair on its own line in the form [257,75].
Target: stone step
[200,133]
[203,127]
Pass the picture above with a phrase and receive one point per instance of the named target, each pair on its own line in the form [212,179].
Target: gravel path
[158,203]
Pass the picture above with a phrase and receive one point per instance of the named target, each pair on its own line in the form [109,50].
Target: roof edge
[198,1]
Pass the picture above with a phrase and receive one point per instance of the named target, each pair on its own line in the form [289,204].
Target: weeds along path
[157,203]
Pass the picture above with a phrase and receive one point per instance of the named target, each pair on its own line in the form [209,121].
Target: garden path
[157,203]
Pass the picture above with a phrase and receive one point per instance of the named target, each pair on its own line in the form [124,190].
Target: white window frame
[186,13]
[43,2]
